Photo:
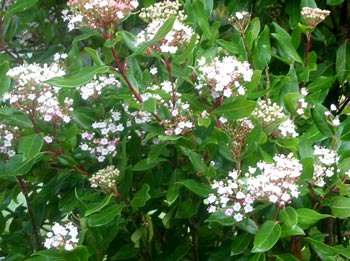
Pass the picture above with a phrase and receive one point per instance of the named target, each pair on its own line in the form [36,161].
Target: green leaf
[261,52]
[201,17]
[291,100]
[200,189]
[252,32]
[100,206]
[237,108]
[4,79]
[80,253]
[141,197]
[94,55]
[258,257]
[240,243]
[164,29]
[173,187]
[334,2]
[30,145]
[285,45]
[11,116]
[291,230]
[220,218]
[147,164]
[321,83]
[288,216]
[196,160]
[322,247]
[22,5]
[340,207]
[125,253]
[105,216]
[308,217]
[248,225]
[78,79]
[18,166]
[319,117]
[344,130]
[266,237]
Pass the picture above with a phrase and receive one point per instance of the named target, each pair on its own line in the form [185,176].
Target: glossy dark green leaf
[334,2]
[261,52]
[4,79]
[291,100]
[308,217]
[78,79]
[288,216]
[340,207]
[344,129]
[94,55]
[100,206]
[266,237]
[320,120]
[141,197]
[201,17]
[173,187]
[291,230]
[198,188]
[240,243]
[147,164]
[105,216]
[248,225]
[30,145]
[284,44]
[319,246]
[22,5]
[126,252]
[18,166]
[258,257]
[236,109]
[252,32]
[14,117]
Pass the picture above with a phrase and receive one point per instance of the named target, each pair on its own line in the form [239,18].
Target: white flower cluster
[271,182]
[104,138]
[269,114]
[223,77]
[178,37]
[97,13]
[302,105]
[314,16]
[7,139]
[104,178]
[95,86]
[325,161]
[62,237]
[180,112]
[36,98]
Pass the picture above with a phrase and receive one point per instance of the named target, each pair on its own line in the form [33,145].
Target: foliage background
[158,213]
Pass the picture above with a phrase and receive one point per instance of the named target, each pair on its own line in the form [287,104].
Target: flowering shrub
[174,130]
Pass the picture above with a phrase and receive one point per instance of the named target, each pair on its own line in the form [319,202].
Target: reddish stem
[307,50]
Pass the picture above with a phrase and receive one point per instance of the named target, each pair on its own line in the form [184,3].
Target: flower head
[314,16]
[62,237]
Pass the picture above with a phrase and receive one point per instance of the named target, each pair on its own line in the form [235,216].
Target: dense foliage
[164,130]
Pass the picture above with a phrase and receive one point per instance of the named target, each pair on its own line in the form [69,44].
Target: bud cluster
[325,161]
[102,141]
[268,182]
[65,237]
[104,178]
[270,114]
[33,96]
[314,16]
[178,37]
[97,13]
[223,77]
